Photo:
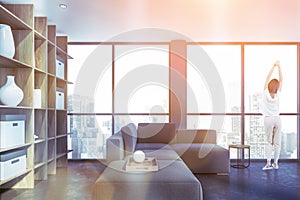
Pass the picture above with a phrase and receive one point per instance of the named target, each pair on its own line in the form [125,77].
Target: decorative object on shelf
[7,45]
[60,68]
[10,93]
[139,156]
[37,98]
[60,97]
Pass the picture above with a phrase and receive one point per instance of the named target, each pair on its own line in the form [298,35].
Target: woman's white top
[270,106]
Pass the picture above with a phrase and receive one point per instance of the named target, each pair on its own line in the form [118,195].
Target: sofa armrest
[114,148]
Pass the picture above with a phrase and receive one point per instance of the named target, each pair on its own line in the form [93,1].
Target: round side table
[241,161]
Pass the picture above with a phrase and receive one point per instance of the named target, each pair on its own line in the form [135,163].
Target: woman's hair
[273,86]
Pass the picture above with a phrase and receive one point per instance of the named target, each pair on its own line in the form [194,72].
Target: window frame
[242,114]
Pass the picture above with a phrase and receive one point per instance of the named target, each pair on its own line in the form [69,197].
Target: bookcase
[34,65]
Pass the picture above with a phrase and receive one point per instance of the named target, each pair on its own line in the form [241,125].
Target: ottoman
[173,181]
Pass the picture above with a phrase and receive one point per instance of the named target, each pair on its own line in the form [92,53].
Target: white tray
[148,165]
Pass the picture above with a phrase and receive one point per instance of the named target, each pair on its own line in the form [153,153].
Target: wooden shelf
[60,155]
[7,17]
[52,35]
[40,171]
[37,141]
[62,53]
[37,70]
[15,177]
[51,138]
[38,165]
[14,148]
[64,110]
[15,107]
[12,63]
[40,52]
[51,92]
[51,75]
[39,36]
[34,66]
[51,44]
[41,109]
[61,136]
[58,79]
[51,160]
[51,149]
[40,26]
[40,125]
[52,165]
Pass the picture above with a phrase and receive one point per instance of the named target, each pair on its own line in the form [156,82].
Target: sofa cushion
[195,150]
[152,146]
[156,132]
[129,135]
[196,136]
[115,147]
[159,154]
[204,158]
[162,154]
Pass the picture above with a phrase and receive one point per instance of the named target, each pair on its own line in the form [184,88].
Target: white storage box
[60,98]
[12,133]
[37,98]
[12,164]
[60,69]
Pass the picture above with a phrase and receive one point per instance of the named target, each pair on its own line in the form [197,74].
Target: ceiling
[160,20]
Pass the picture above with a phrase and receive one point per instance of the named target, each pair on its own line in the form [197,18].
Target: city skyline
[227,59]
[90,133]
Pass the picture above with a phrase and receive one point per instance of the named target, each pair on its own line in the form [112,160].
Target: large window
[141,73]
[224,62]
[141,85]
[120,83]
[107,95]
[89,100]
[258,61]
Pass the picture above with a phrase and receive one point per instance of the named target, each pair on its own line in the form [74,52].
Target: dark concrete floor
[255,184]
[76,182]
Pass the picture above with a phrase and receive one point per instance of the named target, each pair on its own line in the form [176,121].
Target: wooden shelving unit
[34,68]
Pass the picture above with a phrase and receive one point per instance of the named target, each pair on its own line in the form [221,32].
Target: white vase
[7,45]
[10,93]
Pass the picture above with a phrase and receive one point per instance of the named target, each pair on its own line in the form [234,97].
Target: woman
[272,121]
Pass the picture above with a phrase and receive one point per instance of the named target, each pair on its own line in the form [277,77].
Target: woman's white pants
[273,134]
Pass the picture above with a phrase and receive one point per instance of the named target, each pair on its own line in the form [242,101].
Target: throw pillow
[129,134]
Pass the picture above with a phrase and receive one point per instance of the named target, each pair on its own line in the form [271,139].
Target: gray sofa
[180,153]
[197,148]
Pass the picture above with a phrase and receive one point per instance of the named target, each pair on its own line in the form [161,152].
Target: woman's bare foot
[275,166]
[267,167]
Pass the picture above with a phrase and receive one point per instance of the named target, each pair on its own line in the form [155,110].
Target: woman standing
[272,121]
